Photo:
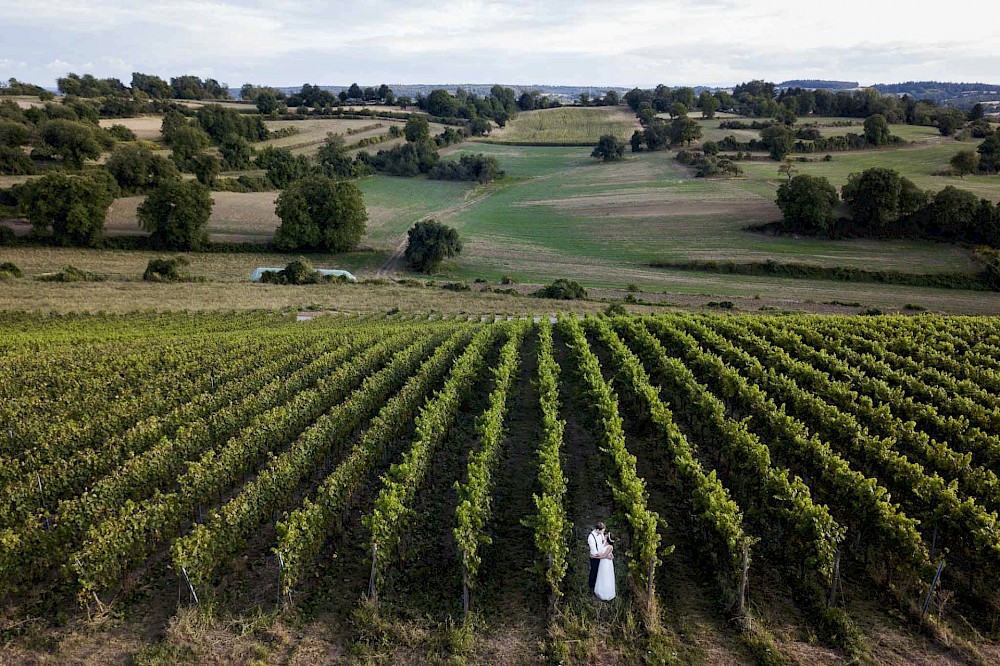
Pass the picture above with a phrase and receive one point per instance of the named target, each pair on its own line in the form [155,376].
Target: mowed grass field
[145,127]
[565,125]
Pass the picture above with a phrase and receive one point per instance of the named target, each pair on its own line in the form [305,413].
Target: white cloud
[627,42]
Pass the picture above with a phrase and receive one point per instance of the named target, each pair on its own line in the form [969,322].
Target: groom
[596,542]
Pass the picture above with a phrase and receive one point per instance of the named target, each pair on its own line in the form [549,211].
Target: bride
[605,587]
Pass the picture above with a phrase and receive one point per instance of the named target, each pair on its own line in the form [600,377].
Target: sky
[569,42]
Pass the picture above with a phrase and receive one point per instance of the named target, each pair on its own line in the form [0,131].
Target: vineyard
[783,489]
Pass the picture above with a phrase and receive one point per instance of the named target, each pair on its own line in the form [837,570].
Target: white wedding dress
[605,587]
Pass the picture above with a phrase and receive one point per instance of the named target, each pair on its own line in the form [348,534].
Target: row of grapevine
[925,495]
[117,545]
[858,502]
[885,418]
[68,467]
[932,341]
[628,488]
[31,549]
[807,534]
[302,533]
[393,504]
[932,386]
[712,507]
[930,412]
[227,530]
[474,496]
[41,427]
[551,526]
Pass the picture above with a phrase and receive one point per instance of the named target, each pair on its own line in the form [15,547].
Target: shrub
[7,237]
[121,133]
[165,270]
[70,274]
[9,270]
[298,272]
[477,168]
[562,289]
[456,286]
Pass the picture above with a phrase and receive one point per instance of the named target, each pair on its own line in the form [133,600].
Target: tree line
[883,204]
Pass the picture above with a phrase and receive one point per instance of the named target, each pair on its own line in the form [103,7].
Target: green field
[565,126]
[589,219]
[560,213]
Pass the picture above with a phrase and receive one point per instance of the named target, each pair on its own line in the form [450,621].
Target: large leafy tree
[609,148]
[186,142]
[136,168]
[318,213]
[877,130]
[779,141]
[236,153]
[807,204]
[72,141]
[267,102]
[429,243]
[283,168]
[951,214]
[683,130]
[73,208]
[417,129]
[879,197]
[176,215]
[989,153]
[333,157]
[709,104]
[964,161]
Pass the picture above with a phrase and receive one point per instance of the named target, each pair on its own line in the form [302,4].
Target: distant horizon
[230,86]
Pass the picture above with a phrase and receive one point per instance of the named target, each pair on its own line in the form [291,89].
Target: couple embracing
[602,566]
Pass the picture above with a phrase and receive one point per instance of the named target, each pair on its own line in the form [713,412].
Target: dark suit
[595,562]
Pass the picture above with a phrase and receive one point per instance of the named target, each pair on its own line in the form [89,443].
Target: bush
[166,270]
[709,166]
[70,274]
[9,270]
[299,272]
[7,237]
[409,159]
[456,286]
[121,133]
[477,168]
[562,289]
